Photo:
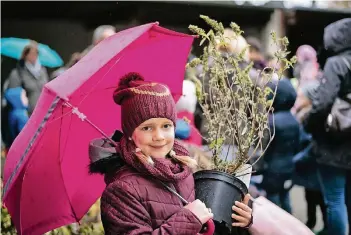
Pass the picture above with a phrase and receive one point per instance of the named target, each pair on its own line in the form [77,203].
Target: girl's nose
[158,135]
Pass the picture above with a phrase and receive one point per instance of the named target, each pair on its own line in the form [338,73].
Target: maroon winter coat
[134,204]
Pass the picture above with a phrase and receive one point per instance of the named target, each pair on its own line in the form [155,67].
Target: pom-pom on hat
[141,100]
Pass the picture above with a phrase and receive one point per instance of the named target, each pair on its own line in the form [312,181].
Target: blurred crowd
[304,151]
[22,88]
[307,150]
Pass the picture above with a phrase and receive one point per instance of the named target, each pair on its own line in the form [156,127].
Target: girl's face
[155,137]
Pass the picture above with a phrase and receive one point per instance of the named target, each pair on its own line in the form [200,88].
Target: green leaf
[218,142]
[268,91]
[269,103]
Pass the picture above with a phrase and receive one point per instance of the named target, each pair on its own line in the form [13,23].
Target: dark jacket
[279,155]
[287,131]
[336,82]
[17,115]
[134,203]
[22,77]
[305,173]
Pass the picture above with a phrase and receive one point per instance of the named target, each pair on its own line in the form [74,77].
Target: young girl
[135,200]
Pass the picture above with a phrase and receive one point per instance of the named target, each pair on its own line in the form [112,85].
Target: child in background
[18,114]
[280,153]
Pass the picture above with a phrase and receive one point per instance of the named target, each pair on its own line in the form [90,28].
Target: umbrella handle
[84,118]
[209,228]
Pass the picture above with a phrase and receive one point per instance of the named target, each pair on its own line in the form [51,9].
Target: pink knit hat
[141,100]
[306,53]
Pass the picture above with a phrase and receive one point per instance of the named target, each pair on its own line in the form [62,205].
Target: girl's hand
[199,209]
[244,213]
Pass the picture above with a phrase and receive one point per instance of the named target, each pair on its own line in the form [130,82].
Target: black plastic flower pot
[219,191]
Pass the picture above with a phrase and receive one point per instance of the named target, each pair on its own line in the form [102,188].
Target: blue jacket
[182,130]
[18,114]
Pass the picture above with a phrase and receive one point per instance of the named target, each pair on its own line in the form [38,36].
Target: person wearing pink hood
[148,168]
[308,74]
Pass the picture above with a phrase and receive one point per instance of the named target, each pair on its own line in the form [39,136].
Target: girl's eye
[166,126]
[146,128]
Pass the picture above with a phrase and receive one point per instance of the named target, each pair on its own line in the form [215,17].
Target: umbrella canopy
[46,178]
[13,47]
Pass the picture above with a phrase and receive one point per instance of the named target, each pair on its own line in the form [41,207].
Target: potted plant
[237,108]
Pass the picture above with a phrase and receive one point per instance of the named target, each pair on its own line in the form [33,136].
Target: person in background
[75,57]
[333,151]
[306,69]
[256,53]
[279,155]
[18,115]
[305,175]
[305,163]
[100,33]
[29,74]
[186,106]
[234,44]
[308,76]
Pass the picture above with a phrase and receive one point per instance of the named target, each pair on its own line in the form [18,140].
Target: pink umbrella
[46,177]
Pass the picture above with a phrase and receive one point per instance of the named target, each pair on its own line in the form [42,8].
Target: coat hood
[104,158]
[337,36]
[13,97]
[285,97]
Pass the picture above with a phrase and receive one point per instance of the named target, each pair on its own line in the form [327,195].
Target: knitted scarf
[164,169]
